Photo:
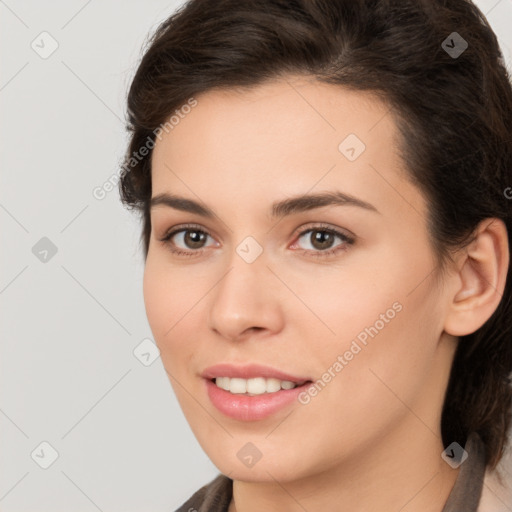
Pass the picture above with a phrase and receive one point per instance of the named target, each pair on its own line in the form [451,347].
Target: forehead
[293,114]
[294,102]
[283,136]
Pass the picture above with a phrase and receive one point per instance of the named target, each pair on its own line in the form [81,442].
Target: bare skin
[370,440]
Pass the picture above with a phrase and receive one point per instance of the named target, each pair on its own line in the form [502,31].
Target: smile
[254,386]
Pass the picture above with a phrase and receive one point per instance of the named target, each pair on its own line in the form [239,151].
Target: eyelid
[347,237]
[184,227]
[299,231]
[324,226]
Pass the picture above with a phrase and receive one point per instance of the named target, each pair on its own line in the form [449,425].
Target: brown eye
[322,241]
[194,239]
[186,240]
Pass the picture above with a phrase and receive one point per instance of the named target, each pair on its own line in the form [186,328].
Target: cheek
[336,305]
[169,298]
[158,299]
[383,318]
[169,301]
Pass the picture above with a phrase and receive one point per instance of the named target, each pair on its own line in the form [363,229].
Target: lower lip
[251,408]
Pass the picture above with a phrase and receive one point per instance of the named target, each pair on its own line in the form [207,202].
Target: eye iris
[324,238]
[194,239]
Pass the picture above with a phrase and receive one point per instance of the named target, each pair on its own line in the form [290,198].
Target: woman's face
[338,293]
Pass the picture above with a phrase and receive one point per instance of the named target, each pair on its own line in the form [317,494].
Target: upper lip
[249,371]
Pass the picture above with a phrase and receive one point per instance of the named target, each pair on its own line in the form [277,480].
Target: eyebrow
[285,207]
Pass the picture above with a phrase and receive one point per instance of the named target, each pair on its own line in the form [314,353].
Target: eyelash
[347,240]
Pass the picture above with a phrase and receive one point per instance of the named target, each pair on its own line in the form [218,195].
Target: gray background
[71,320]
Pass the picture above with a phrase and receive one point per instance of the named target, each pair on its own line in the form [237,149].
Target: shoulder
[215,496]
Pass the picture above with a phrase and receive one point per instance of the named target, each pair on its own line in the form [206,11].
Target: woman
[325,193]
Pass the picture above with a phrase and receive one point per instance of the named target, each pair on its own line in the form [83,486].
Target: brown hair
[454,113]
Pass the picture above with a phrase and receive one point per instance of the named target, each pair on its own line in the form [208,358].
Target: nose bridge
[242,298]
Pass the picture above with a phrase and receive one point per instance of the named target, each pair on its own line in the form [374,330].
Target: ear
[476,288]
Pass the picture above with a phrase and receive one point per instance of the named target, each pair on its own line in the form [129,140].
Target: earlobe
[479,284]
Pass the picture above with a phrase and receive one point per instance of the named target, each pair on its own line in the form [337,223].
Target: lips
[246,407]
[250,371]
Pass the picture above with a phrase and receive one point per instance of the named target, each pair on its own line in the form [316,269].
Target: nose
[246,300]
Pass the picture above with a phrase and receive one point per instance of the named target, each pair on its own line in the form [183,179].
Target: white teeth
[223,382]
[238,385]
[254,386]
[273,385]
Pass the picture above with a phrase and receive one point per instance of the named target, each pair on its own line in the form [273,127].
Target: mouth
[252,392]
[255,386]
